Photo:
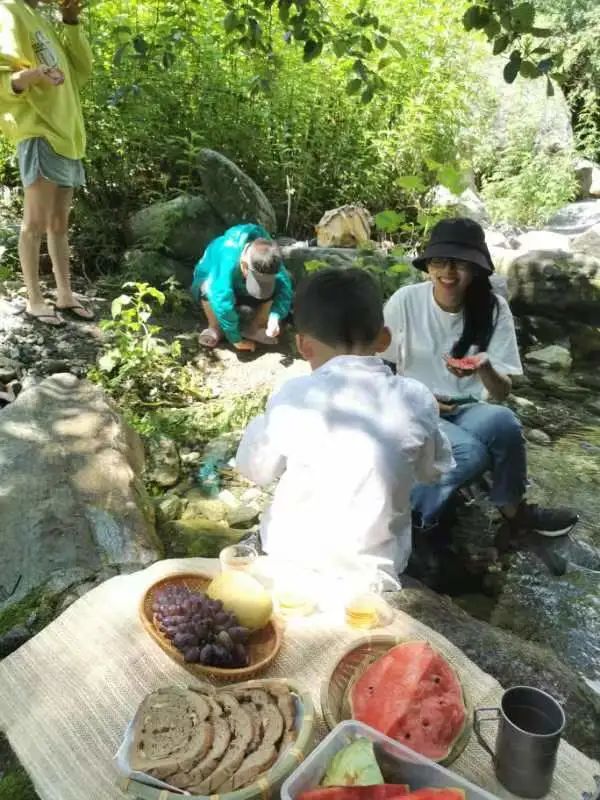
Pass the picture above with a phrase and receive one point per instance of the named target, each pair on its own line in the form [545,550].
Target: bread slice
[241,726]
[169,730]
[206,765]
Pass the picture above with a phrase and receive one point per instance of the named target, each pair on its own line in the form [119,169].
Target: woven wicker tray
[269,784]
[335,690]
[263,645]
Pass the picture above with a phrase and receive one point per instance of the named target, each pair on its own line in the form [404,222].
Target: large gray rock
[511,660]
[588,175]
[551,283]
[300,259]
[72,499]
[553,356]
[232,194]
[544,240]
[575,218]
[588,242]
[181,228]
[468,204]
[562,613]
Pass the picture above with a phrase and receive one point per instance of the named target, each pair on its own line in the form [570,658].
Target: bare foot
[74,307]
[44,314]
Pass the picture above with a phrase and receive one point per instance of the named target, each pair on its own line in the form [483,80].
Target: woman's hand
[445,408]
[482,360]
[71,9]
[38,75]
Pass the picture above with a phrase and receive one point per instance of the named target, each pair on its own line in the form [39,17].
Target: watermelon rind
[352,664]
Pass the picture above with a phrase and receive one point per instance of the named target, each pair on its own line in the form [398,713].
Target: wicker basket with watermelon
[405,689]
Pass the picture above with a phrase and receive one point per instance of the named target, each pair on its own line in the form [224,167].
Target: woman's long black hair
[480,316]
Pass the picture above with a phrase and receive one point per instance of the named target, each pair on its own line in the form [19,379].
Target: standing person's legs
[38,200]
[58,247]
[472,460]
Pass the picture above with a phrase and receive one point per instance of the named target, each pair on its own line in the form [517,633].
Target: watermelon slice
[467,364]
[412,695]
[386,791]
[436,794]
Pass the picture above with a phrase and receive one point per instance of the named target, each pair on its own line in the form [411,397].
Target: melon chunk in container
[398,764]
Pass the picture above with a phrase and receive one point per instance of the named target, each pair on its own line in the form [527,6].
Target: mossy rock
[15,785]
[181,227]
[14,781]
[39,603]
[198,537]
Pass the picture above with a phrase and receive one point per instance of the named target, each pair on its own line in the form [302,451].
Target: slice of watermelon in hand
[465,364]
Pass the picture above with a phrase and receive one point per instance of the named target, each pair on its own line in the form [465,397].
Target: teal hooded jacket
[218,277]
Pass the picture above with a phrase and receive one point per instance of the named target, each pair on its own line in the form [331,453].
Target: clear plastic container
[398,764]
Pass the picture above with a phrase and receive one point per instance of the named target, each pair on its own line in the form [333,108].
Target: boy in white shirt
[348,441]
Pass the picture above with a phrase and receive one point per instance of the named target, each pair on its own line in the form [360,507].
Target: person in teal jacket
[242,267]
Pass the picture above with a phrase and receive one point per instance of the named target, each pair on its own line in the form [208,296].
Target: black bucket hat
[459,238]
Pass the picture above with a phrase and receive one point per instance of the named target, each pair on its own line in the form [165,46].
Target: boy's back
[348,442]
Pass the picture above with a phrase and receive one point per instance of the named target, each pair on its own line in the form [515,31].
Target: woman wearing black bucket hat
[435,325]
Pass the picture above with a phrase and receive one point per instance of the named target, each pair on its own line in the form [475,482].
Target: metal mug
[531,723]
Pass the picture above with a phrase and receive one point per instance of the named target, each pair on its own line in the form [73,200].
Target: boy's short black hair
[339,307]
[264,256]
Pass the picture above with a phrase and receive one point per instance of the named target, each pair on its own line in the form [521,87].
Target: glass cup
[240,557]
[294,593]
[365,607]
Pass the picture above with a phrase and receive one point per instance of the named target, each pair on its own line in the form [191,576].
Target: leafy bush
[165,85]
[527,185]
[139,368]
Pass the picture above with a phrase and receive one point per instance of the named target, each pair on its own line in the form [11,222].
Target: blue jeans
[484,438]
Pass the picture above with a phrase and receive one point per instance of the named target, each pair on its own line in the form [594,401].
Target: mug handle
[478,719]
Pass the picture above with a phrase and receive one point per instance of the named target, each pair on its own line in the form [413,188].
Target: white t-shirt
[422,333]
[347,442]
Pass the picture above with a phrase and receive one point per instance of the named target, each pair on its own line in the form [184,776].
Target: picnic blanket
[67,695]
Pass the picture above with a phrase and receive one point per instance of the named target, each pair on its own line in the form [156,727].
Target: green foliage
[284,119]
[527,184]
[580,39]
[512,25]
[139,368]
[15,785]
[201,422]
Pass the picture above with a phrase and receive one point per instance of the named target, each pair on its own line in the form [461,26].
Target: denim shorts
[37,159]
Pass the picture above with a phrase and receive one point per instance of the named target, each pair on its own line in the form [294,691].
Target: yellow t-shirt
[27,40]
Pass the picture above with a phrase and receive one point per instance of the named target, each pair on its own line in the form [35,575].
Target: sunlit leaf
[389,220]
[413,183]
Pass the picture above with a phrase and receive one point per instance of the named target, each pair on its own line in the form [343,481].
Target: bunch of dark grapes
[200,627]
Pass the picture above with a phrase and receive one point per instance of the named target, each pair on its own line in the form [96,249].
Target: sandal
[77,312]
[209,338]
[50,319]
[260,336]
